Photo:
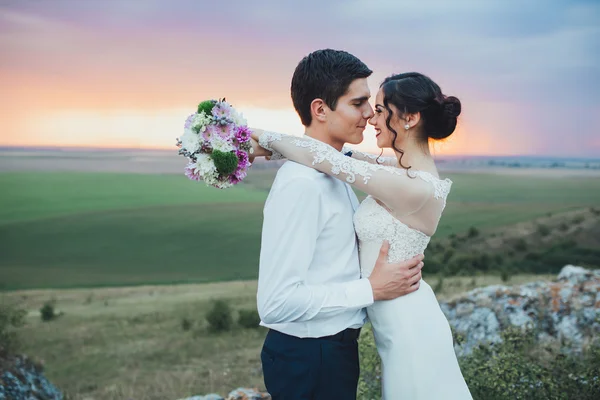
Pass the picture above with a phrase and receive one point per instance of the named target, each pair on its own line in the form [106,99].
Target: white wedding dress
[412,334]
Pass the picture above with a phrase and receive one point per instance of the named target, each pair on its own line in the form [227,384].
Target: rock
[20,378]
[572,273]
[566,311]
[247,394]
[237,394]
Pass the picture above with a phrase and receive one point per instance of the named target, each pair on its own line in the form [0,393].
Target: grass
[102,229]
[127,343]
[31,196]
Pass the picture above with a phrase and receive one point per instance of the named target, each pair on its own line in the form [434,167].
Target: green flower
[226,162]
[206,106]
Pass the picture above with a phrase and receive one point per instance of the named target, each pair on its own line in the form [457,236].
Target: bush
[186,324]
[439,286]
[520,245]
[249,319]
[543,230]
[448,255]
[473,232]
[505,274]
[11,317]
[219,317]
[518,368]
[369,383]
[47,311]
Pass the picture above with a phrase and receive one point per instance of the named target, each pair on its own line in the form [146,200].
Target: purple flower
[188,121]
[243,160]
[192,173]
[238,176]
[243,134]
[234,179]
[222,109]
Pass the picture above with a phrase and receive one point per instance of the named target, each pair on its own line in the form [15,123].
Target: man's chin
[356,140]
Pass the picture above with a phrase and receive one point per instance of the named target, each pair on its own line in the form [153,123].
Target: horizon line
[105,148]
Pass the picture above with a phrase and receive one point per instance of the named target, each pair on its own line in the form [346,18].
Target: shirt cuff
[360,293]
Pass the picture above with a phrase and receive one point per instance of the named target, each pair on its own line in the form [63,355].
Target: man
[310,293]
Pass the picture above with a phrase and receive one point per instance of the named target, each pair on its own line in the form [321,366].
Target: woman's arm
[370,158]
[393,186]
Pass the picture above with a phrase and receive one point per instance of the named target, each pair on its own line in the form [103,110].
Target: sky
[126,73]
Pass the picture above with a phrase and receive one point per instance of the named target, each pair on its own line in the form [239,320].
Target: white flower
[205,165]
[221,144]
[200,121]
[238,118]
[190,141]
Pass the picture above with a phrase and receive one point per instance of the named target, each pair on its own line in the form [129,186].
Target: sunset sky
[126,73]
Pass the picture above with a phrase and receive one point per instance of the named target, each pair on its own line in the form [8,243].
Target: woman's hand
[257,151]
[256,133]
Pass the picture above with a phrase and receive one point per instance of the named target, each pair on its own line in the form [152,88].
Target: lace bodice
[374,224]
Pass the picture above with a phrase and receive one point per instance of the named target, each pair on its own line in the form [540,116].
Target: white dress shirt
[309,281]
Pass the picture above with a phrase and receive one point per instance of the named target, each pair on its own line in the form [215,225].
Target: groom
[310,293]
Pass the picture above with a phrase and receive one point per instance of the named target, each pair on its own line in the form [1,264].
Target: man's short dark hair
[324,74]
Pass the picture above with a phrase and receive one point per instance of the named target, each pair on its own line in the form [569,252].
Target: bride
[405,201]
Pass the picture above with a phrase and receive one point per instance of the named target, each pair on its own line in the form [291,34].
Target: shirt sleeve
[399,191]
[292,223]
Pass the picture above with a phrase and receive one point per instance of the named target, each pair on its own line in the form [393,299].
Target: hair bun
[452,107]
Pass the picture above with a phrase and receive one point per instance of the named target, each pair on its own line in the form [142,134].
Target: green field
[99,229]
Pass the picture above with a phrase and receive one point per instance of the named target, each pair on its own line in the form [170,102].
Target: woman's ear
[318,110]
[412,120]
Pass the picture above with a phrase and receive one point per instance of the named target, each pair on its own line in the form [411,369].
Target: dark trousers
[311,368]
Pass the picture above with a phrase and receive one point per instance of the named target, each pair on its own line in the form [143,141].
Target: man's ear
[318,110]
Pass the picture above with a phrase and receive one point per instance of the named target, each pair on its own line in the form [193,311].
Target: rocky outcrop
[20,378]
[566,311]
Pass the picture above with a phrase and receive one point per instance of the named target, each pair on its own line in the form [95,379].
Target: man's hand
[394,280]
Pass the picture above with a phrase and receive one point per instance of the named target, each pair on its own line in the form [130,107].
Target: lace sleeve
[370,158]
[399,191]
[265,138]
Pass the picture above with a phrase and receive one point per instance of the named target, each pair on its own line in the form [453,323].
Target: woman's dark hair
[413,92]
[324,74]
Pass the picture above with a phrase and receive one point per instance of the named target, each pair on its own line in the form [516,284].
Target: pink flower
[192,173]
[222,109]
[243,134]
[224,131]
[210,131]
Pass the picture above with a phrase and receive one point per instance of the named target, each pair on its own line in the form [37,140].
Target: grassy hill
[63,230]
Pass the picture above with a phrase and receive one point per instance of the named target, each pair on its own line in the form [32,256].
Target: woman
[405,202]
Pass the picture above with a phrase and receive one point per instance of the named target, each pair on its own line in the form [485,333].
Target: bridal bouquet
[216,140]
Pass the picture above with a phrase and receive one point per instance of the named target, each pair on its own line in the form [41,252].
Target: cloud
[525,71]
